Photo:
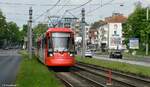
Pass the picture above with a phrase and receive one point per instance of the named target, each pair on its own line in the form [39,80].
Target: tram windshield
[62,42]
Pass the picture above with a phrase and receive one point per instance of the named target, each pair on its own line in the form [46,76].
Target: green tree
[13,32]
[3,28]
[9,32]
[137,26]
[24,30]
[97,24]
[39,29]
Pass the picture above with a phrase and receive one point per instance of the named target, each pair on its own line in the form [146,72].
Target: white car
[88,53]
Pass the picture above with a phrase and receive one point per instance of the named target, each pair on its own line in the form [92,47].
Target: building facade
[110,34]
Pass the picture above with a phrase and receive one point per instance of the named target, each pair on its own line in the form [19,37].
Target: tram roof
[59,30]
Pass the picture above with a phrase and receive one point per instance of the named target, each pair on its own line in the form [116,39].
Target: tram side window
[71,45]
[50,50]
[38,45]
[50,45]
[43,43]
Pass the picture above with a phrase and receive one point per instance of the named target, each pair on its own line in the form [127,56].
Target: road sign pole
[147,16]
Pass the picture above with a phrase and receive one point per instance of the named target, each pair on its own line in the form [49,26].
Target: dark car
[116,54]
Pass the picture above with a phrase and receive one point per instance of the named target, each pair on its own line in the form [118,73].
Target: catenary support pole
[83,32]
[30,32]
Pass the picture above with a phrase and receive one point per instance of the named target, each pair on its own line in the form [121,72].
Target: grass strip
[123,67]
[34,74]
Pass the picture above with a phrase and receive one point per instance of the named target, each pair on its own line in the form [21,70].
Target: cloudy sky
[17,10]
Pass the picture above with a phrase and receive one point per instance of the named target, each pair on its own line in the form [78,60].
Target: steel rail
[104,76]
[91,80]
[115,72]
[66,83]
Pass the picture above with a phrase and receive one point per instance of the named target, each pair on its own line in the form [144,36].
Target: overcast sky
[17,10]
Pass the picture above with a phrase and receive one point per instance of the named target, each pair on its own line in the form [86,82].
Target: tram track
[117,77]
[87,75]
[76,79]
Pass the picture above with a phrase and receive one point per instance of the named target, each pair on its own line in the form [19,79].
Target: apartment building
[110,34]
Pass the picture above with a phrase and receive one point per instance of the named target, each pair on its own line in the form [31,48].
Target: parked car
[116,54]
[88,53]
[6,48]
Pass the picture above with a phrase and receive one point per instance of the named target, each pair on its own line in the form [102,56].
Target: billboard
[134,43]
[115,35]
[115,41]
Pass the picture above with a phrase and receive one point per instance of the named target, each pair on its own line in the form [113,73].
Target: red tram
[56,47]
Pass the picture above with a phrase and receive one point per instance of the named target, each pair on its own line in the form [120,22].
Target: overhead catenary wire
[71,14]
[26,4]
[64,14]
[50,8]
[54,5]
[80,5]
[68,10]
[47,11]
[49,17]
[102,5]
[62,7]
[20,14]
[107,3]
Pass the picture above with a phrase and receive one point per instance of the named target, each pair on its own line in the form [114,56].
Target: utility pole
[30,32]
[28,36]
[101,3]
[147,18]
[83,31]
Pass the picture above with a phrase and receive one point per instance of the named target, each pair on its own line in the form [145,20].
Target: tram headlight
[50,54]
[71,54]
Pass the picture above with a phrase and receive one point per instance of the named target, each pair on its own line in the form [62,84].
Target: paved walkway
[9,65]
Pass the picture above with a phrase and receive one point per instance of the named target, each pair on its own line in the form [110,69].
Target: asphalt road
[9,64]
[143,62]
[139,58]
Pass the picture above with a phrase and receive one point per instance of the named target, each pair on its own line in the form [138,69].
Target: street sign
[134,43]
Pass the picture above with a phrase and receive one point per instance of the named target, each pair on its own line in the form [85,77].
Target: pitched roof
[116,18]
